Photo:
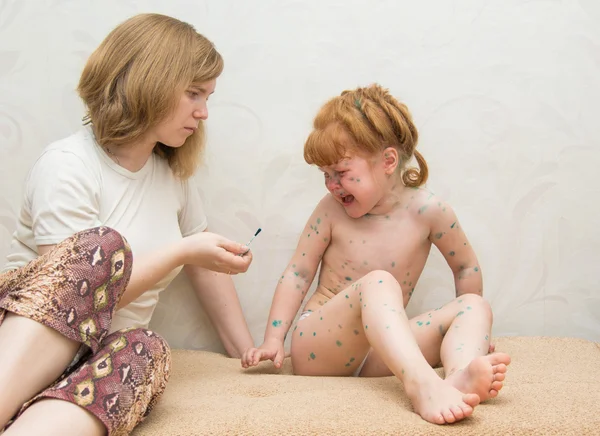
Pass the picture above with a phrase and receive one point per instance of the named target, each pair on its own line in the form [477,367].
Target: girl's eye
[326,175]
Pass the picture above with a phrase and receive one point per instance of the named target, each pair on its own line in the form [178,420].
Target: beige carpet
[553,387]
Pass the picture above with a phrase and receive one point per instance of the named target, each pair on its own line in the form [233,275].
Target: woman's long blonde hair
[135,79]
[375,120]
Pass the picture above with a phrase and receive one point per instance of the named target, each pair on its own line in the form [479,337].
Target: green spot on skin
[441,329]
[347,364]
[294,266]
[453,224]
[356,332]
[349,279]
[366,327]
[460,313]
[350,306]
[428,322]
[296,274]
[314,333]
[468,307]
[303,254]
[380,281]
[439,235]
[423,208]
[476,269]
[460,301]
[352,359]
[308,236]
[312,356]
[347,296]
[452,253]
[402,371]
[358,180]
[338,343]
[277,323]
[393,264]
[486,337]
[318,220]
[301,333]
[420,323]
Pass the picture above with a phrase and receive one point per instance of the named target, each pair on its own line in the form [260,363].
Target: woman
[77,357]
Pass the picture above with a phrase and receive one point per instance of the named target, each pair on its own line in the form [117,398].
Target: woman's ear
[391,160]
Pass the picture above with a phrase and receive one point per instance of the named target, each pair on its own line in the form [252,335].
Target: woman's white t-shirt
[75,185]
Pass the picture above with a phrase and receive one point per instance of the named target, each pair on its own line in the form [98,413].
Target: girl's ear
[391,160]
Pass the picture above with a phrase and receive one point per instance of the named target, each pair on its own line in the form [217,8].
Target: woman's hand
[216,253]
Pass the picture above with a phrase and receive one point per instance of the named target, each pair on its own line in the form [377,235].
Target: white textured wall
[504,92]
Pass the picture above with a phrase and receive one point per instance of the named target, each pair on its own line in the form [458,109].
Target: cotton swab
[250,241]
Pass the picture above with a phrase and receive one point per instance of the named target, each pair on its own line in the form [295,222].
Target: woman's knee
[144,344]
[104,244]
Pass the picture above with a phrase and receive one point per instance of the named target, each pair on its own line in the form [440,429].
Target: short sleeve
[192,218]
[63,197]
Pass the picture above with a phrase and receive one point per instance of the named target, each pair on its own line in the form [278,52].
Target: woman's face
[192,108]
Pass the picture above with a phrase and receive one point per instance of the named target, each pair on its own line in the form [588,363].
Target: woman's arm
[219,299]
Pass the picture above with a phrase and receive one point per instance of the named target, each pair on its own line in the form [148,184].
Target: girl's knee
[379,277]
[476,302]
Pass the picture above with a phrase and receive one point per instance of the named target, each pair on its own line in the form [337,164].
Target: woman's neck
[132,156]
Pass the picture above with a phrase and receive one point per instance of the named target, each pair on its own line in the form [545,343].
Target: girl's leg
[458,335]
[370,313]
[112,392]
[52,306]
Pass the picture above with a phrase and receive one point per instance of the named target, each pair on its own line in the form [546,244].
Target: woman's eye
[193,94]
